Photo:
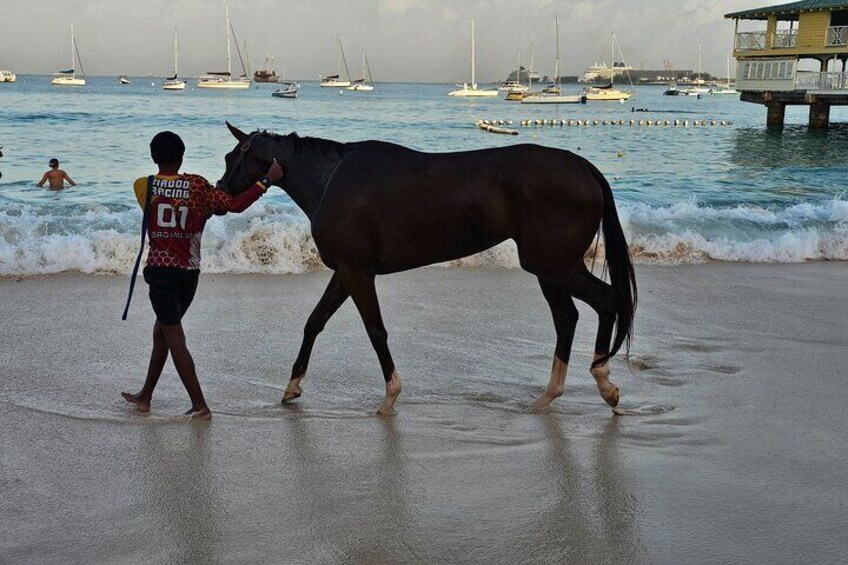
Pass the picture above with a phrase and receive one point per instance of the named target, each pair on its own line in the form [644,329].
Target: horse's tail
[622,275]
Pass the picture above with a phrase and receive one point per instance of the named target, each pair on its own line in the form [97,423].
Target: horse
[377,208]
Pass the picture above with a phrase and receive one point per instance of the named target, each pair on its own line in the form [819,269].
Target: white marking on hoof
[609,391]
[393,389]
[293,390]
[556,386]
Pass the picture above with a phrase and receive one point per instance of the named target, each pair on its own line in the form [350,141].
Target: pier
[806,33]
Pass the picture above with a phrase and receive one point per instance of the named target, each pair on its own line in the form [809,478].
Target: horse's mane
[307,144]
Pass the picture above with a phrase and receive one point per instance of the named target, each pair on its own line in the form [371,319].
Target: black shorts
[171,292]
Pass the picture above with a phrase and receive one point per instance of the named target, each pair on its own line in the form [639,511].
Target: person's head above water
[167,149]
[54,163]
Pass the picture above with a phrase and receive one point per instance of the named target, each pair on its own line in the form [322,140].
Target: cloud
[405,39]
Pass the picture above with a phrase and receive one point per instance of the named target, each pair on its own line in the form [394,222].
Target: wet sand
[730,447]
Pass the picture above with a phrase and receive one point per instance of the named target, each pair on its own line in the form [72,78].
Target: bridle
[243,149]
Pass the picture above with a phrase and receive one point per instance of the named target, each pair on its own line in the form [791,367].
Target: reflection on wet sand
[352,519]
[175,480]
[590,516]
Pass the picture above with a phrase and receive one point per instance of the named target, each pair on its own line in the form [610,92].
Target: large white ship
[602,71]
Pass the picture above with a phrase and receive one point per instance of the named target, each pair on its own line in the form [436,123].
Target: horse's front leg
[334,296]
[361,288]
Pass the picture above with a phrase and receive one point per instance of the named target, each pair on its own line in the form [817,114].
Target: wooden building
[813,33]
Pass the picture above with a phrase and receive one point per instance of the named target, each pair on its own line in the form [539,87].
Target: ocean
[737,192]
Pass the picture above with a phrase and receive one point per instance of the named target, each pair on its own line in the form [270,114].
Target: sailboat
[68,77]
[699,87]
[553,95]
[335,81]
[471,90]
[727,89]
[225,79]
[366,83]
[172,82]
[608,92]
[515,87]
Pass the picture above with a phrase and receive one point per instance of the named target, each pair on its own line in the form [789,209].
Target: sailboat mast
[556,66]
[473,61]
[699,62]
[612,57]
[176,71]
[367,68]
[338,56]
[73,50]
[530,68]
[229,55]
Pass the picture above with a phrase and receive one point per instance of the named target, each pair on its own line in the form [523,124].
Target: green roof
[789,11]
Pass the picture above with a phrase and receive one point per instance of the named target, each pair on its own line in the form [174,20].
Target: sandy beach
[729,448]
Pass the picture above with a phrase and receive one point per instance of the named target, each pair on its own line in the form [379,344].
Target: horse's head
[251,158]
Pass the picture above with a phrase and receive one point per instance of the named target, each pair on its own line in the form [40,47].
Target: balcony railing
[837,36]
[785,39]
[751,40]
[811,80]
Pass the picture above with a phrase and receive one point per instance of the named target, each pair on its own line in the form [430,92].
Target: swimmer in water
[56,176]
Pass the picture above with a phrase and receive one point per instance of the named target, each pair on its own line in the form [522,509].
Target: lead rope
[141,249]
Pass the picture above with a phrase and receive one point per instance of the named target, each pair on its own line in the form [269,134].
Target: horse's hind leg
[334,296]
[361,288]
[565,321]
[600,296]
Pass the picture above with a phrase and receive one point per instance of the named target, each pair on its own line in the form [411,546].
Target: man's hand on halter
[275,172]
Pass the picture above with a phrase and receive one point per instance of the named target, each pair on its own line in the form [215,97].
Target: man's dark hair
[167,148]
[54,162]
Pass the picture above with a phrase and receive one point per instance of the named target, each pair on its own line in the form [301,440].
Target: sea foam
[273,239]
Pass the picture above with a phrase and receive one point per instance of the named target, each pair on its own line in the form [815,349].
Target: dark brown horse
[378,208]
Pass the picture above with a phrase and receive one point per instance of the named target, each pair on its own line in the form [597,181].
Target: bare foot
[203,414]
[140,405]
[393,389]
[293,390]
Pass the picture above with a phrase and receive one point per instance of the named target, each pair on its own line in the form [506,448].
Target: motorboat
[287,89]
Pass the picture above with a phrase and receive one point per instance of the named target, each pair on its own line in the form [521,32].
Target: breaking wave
[272,239]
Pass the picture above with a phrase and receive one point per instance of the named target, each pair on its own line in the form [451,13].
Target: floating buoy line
[504,126]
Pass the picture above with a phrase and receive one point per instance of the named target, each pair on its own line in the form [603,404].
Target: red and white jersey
[179,208]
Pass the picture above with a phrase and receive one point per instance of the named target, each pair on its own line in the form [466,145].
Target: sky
[406,40]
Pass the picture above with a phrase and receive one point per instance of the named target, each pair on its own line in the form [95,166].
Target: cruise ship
[602,71]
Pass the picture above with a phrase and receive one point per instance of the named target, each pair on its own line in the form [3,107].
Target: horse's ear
[237,133]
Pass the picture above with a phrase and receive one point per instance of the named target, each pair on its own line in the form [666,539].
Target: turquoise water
[732,193]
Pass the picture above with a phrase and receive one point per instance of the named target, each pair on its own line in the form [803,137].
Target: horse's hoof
[290,396]
[612,396]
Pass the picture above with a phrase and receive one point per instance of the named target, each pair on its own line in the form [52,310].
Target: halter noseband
[243,149]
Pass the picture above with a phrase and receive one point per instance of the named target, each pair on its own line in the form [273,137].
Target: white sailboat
[366,83]
[336,80]
[515,87]
[225,79]
[7,76]
[173,82]
[727,89]
[699,87]
[471,90]
[553,95]
[608,93]
[69,77]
